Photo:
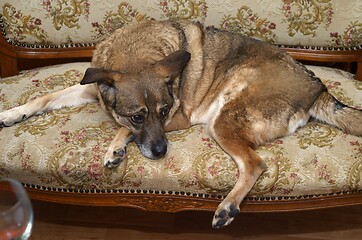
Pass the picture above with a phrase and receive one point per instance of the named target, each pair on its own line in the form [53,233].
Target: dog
[159,76]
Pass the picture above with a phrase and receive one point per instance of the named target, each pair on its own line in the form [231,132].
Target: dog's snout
[159,149]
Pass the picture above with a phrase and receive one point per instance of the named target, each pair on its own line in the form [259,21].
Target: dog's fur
[159,76]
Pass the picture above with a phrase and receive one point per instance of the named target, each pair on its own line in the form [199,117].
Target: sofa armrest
[11,55]
[336,56]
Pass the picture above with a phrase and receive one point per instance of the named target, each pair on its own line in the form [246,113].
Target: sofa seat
[64,149]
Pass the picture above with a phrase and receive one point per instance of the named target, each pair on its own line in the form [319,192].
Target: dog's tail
[328,109]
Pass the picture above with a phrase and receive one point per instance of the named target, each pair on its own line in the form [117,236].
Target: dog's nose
[159,149]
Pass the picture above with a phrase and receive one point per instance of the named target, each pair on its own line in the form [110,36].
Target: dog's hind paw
[224,215]
[116,158]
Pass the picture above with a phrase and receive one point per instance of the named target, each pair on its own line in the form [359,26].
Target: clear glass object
[16,213]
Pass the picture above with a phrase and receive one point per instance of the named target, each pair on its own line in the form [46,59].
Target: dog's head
[142,99]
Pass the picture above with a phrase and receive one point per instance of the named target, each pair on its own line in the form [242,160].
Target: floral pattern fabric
[323,23]
[65,148]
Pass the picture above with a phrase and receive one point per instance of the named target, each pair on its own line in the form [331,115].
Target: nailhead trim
[325,48]
[182,193]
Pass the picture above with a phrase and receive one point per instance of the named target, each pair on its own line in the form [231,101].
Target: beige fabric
[65,148]
[333,23]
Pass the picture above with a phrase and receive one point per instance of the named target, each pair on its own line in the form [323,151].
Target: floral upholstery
[322,23]
[65,148]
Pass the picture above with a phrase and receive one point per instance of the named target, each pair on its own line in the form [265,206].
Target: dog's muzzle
[159,148]
[154,150]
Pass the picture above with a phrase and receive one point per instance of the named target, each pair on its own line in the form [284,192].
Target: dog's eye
[138,118]
[164,111]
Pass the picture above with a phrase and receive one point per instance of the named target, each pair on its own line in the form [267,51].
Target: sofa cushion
[65,148]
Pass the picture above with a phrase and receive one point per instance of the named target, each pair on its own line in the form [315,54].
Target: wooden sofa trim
[348,56]
[149,200]
[10,54]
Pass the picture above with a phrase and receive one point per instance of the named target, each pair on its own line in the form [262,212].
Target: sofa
[58,156]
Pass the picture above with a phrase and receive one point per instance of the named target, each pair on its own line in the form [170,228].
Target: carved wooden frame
[162,201]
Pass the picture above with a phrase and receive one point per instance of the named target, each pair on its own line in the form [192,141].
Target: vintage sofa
[58,155]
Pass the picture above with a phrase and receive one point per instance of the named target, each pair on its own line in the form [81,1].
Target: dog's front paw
[12,116]
[114,158]
[225,214]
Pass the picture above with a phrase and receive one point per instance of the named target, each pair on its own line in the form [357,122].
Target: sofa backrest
[327,24]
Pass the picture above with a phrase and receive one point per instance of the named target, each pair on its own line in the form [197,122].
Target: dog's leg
[116,152]
[250,167]
[73,96]
[179,121]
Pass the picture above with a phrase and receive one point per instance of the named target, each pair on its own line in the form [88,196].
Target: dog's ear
[105,81]
[172,65]
[97,75]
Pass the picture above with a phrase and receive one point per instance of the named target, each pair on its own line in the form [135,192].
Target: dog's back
[137,45]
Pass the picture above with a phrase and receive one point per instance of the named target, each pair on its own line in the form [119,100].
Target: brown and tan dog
[156,76]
